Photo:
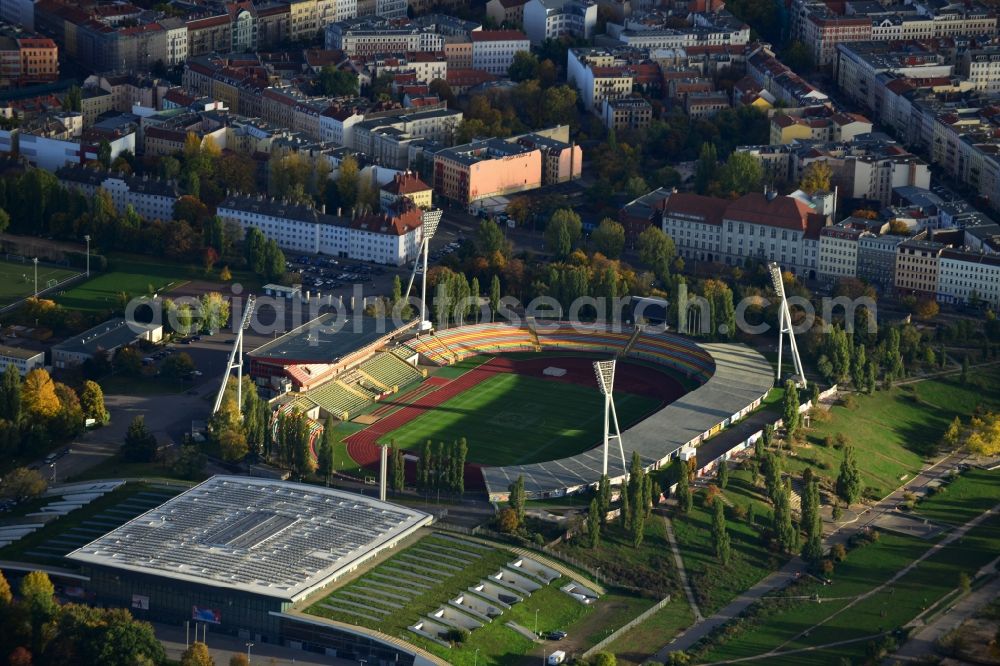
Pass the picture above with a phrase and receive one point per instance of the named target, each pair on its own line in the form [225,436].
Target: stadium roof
[741,377]
[327,338]
[261,536]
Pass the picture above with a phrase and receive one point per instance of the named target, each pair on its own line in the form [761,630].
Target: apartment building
[493,50]
[627,113]
[838,252]
[406,185]
[484,169]
[368,36]
[506,13]
[391,237]
[26,60]
[600,74]
[816,123]
[918,263]
[151,198]
[659,30]
[25,360]
[554,19]
[760,227]
[778,79]
[877,259]
[965,276]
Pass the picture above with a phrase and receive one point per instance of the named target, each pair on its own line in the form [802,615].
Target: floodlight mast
[785,326]
[236,361]
[430,221]
[605,373]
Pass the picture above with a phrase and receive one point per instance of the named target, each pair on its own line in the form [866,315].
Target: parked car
[557,635]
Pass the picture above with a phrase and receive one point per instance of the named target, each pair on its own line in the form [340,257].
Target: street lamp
[536,621]
[87,238]
[53,466]
[35,260]
[475,660]
[249,645]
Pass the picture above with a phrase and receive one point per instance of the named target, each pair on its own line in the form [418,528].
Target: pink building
[485,169]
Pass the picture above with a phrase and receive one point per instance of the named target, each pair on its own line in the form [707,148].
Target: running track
[363,448]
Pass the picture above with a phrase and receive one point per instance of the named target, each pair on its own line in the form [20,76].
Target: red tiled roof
[405,183]
[755,208]
[710,209]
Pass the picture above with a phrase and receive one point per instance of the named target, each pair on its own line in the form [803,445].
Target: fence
[628,625]
[72,279]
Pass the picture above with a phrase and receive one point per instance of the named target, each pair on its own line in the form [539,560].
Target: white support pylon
[605,372]
[785,327]
[383,467]
[430,220]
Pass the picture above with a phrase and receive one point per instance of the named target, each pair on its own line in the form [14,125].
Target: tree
[603,659]
[816,178]
[140,444]
[274,261]
[197,655]
[6,596]
[92,402]
[657,250]
[742,173]
[489,239]
[337,83]
[190,462]
[517,498]
[398,469]
[849,478]
[253,249]
[609,238]
[785,534]
[984,435]
[177,366]
[523,67]
[73,99]
[22,483]
[720,536]
[233,444]
[562,232]
[772,476]
[604,498]
[706,168]
[38,602]
[239,659]
[214,312]
[494,296]
[812,524]
[790,408]
[722,476]
[324,457]
[104,153]
[348,181]
[507,520]
[684,497]
[10,395]
[926,308]
[38,395]
[594,524]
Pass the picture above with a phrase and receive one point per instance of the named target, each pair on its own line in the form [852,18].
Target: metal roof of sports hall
[262,536]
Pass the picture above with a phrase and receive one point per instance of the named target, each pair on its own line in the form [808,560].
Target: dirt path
[681,573]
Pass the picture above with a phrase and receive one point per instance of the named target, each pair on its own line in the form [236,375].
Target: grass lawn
[17,279]
[865,569]
[650,567]
[634,646]
[963,499]
[894,432]
[497,643]
[715,585]
[137,276]
[64,534]
[511,419]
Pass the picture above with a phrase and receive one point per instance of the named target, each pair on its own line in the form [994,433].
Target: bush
[838,553]
[456,635]
[850,401]
[709,496]
[841,440]
[826,567]
[828,441]
[737,511]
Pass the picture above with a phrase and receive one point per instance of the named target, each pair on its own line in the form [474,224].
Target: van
[556,657]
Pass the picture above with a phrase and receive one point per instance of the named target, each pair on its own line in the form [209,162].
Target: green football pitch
[17,279]
[512,419]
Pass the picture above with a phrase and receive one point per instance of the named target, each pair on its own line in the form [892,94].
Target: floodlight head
[431,219]
[605,372]
[775,270]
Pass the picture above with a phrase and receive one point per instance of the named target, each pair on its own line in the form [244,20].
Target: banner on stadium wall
[75,592]
[202,614]
[139,602]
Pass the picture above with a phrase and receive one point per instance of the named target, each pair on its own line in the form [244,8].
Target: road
[796,566]
[223,647]
[921,643]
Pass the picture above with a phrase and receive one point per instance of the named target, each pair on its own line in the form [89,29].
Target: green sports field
[511,419]
[17,279]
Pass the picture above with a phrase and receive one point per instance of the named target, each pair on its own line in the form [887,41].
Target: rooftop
[326,339]
[108,336]
[262,536]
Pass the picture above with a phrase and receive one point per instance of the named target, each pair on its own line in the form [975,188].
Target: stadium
[523,396]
